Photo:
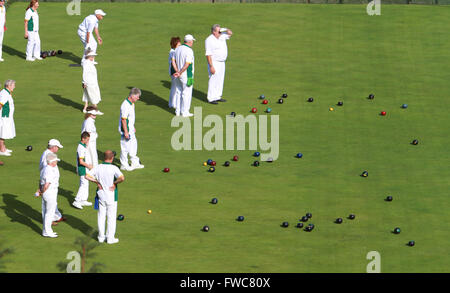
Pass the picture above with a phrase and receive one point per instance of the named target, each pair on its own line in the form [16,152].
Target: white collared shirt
[184,54]
[217,47]
[50,175]
[33,20]
[88,24]
[43,161]
[89,126]
[105,174]
[127,112]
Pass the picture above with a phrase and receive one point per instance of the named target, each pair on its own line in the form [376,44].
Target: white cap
[99,11]
[188,38]
[94,112]
[92,53]
[55,142]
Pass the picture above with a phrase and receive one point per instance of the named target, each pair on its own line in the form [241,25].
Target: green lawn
[330,52]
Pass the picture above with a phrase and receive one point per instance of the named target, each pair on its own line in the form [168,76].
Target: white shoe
[9,151]
[100,113]
[37,58]
[86,203]
[126,168]
[112,241]
[6,154]
[188,115]
[101,239]
[84,111]
[1,59]
[137,166]
[51,235]
[77,205]
[30,59]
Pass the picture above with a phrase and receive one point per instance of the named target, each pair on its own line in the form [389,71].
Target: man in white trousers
[184,59]
[216,55]
[83,190]
[128,141]
[106,176]
[49,190]
[85,29]
[52,148]
[2,26]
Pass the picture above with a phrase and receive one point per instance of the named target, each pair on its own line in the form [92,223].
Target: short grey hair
[9,82]
[50,157]
[213,28]
[135,92]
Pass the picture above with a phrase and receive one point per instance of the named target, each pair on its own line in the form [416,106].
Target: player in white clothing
[83,191]
[7,126]
[184,58]
[32,31]
[2,25]
[106,176]
[175,42]
[216,55]
[49,189]
[53,146]
[85,29]
[89,126]
[128,141]
[91,90]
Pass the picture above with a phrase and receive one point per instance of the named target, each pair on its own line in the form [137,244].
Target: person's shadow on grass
[13,52]
[150,98]
[66,102]
[20,212]
[199,95]
[67,166]
[69,56]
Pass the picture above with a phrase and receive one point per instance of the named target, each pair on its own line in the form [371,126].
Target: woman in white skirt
[175,42]
[91,90]
[32,31]
[89,126]
[7,127]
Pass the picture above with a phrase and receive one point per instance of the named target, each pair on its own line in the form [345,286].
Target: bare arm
[45,187]
[82,163]
[125,128]
[211,67]
[118,180]
[26,29]
[99,39]
[92,179]
[184,68]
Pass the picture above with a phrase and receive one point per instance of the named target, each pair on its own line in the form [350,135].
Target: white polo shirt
[33,20]
[88,24]
[50,175]
[2,17]
[127,112]
[106,174]
[6,100]
[184,54]
[89,73]
[43,161]
[89,126]
[81,154]
[217,47]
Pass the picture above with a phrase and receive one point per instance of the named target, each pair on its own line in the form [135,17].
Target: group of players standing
[106,175]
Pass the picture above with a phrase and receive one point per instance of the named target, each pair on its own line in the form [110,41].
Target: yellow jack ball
[149,211]
[331,109]
[205,164]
